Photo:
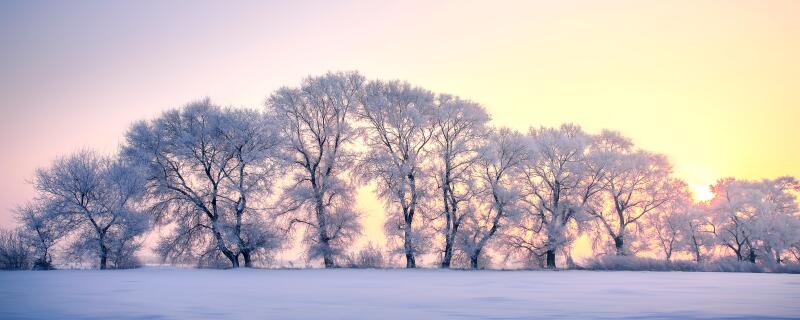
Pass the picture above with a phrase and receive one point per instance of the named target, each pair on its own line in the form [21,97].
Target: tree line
[231,187]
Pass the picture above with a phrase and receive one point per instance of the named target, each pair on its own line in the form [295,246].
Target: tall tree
[316,127]
[497,170]
[398,119]
[205,167]
[459,129]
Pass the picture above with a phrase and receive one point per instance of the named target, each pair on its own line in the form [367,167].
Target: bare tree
[316,126]
[497,170]
[460,127]
[399,128]
[98,195]
[206,168]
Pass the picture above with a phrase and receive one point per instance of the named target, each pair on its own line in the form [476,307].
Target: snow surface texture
[168,293]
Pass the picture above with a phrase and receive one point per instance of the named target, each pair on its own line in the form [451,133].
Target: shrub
[369,257]
[14,253]
[630,263]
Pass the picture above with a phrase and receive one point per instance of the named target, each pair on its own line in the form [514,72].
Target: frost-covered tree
[206,170]
[635,184]
[561,178]
[670,224]
[497,172]
[459,129]
[733,216]
[698,233]
[41,228]
[316,125]
[778,224]
[756,218]
[98,196]
[399,127]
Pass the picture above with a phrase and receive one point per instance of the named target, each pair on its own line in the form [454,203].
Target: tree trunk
[473,259]
[324,239]
[328,260]
[103,257]
[248,263]
[551,259]
[408,216]
[234,259]
[752,256]
[696,250]
[619,245]
[407,244]
[448,247]
[448,254]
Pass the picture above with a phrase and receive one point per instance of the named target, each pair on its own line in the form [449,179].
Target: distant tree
[756,218]
[778,224]
[670,221]
[561,178]
[98,196]
[317,131]
[399,128]
[698,235]
[497,171]
[635,183]
[205,170]
[459,129]
[734,216]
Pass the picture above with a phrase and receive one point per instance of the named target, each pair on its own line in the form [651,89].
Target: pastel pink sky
[712,84]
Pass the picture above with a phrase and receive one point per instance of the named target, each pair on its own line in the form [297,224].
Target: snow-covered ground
[168,293]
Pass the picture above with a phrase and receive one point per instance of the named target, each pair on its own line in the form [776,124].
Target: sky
[712,84]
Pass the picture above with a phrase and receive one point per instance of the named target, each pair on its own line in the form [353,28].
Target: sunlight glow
[702,192]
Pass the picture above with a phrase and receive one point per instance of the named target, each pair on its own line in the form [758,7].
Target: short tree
[98,196]
[41,228]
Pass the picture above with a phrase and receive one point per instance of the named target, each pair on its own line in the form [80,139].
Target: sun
[702,192]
